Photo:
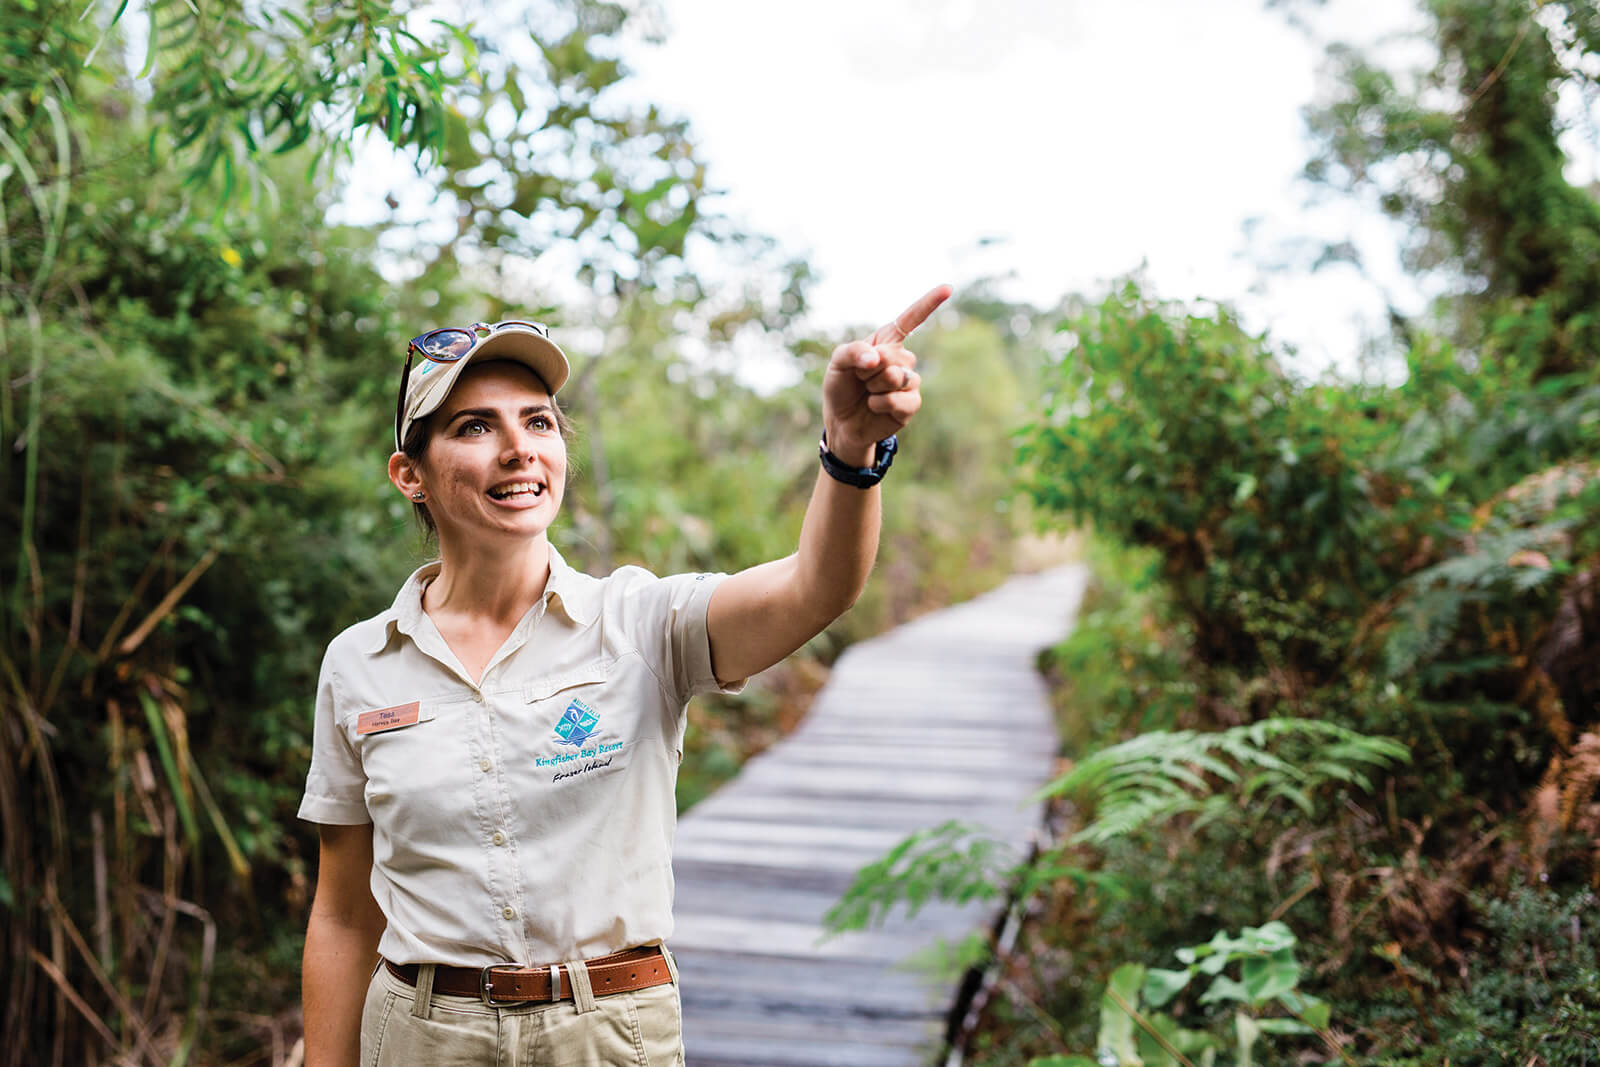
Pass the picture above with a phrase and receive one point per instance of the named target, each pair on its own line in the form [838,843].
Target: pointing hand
[871,389]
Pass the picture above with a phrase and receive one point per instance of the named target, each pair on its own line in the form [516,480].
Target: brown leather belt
[621,972]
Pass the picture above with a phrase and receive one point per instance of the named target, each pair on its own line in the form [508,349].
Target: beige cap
[430,381]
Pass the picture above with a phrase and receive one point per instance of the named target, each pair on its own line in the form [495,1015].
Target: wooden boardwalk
[943,718]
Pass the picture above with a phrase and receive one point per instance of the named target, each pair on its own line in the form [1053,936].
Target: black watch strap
[860,477]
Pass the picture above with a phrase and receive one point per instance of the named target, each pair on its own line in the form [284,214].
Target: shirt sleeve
[670,619]
[691,639]
[335,784]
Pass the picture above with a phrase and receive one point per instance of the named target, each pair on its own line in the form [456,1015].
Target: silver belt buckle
[486,988]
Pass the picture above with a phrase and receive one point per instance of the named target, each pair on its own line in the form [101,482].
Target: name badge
[376,722]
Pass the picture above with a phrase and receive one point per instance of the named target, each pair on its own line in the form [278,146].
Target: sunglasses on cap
[446,345]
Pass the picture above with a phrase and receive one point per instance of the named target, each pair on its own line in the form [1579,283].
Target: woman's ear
[406,477]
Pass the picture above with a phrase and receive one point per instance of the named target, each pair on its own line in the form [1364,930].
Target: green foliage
[952,862]
[1467,156]
[233,81]
[161,376]
[1124,656]
[1181,433]
[1533,988]
[1160,775]
[1265,994]
[229,83]
[948,962]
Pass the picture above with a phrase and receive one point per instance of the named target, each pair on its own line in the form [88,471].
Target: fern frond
[953,861]
[1161,775]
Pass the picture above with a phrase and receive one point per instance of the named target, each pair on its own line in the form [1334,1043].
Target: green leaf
[1190,1043]
[1225,988]
[1316,1013]
[1117,1006]
[1266,977]
[169,763]
[1161,986]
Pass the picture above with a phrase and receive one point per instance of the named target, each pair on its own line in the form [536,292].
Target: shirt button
[499,838]
[477,694]
[484,765]
[509,912]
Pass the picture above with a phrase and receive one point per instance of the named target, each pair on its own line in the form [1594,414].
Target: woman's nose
[521,444]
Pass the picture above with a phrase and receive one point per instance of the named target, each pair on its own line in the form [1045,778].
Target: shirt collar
[574,592]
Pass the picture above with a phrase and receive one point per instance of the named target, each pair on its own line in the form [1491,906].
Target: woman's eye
[473,427]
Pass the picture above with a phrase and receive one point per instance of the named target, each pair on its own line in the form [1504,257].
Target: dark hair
[415,446]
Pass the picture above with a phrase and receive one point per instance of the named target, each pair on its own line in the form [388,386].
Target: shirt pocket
[568,707]
[579,729]
[422,764]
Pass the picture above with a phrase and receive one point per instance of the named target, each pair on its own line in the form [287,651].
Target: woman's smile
[519,492]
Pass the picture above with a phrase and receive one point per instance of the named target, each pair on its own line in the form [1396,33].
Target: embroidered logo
[576,724]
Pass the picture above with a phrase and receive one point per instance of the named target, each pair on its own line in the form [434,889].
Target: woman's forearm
[338,964]
[838,544]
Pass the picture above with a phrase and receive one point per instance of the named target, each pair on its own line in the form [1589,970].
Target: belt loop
[672,965]
[582,992]
[422,1005]
[555,982]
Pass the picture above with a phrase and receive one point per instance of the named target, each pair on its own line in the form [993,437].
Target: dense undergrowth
[1401,930]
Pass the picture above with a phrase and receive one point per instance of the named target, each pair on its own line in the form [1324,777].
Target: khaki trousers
[405,1026]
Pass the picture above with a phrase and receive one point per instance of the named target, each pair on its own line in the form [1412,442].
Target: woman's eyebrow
[491,413]
[482,413]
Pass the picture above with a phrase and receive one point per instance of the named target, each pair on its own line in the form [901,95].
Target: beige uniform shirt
[528,818]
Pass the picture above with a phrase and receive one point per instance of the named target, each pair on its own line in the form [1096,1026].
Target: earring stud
[419,497]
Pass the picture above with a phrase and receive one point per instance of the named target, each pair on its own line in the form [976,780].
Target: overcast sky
[1059,144]
[900,143]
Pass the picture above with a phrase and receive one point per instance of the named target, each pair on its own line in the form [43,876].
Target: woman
[495,755]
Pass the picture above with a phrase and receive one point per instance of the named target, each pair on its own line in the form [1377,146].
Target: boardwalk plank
[885,813]
[943,718]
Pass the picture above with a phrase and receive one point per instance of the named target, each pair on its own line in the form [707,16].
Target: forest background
[1350,626]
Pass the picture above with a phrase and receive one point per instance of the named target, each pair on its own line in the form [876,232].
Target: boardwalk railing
[943,718]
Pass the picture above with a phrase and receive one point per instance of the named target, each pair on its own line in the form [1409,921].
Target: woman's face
[496,465]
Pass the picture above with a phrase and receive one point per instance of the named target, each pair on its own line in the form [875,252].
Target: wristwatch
[860,477]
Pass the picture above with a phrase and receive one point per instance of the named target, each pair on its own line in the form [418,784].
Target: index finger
[911,317]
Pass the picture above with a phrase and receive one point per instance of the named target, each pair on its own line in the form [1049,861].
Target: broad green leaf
[1161,986]
[1267,977]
